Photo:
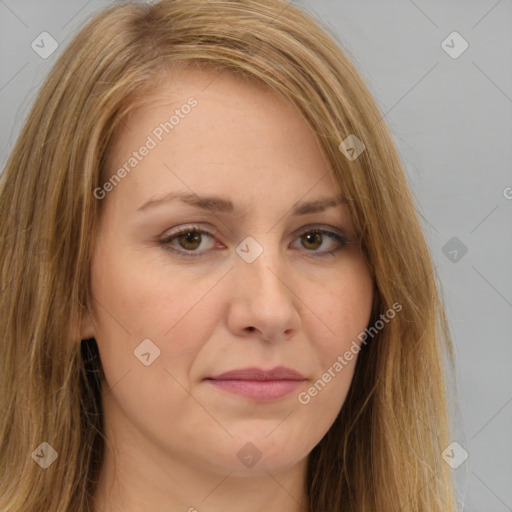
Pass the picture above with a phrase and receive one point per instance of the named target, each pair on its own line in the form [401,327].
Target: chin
[259,455]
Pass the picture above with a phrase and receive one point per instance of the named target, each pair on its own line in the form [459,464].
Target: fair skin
[175,437]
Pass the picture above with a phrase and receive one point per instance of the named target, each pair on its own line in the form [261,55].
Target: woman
[216,293]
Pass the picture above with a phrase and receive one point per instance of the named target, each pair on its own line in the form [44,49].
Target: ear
[87,327]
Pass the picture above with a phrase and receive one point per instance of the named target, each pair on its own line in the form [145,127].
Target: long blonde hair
[383,453]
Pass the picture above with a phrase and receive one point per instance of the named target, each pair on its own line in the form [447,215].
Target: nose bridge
[263,299]
[261,265]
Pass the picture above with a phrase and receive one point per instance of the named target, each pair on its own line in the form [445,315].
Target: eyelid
[338,234]
[185,229]
[167,237]
[322,228]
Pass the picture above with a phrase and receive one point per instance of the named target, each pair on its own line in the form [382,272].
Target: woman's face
[207,262]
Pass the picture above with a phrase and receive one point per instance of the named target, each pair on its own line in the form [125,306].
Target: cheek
[137,300]
[348,306]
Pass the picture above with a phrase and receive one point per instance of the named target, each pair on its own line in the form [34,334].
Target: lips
[278,373]
[258,384]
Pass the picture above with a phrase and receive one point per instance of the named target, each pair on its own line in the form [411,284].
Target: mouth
[258,384]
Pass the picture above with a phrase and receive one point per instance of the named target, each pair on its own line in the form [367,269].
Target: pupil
[314,238]
[191,238]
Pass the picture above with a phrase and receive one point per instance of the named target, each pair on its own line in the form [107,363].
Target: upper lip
[277,373]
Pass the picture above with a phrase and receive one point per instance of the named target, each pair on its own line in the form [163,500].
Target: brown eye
[190,240]
[312,240]
[321,242]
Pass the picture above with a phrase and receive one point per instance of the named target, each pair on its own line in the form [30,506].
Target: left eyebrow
[317,206]
[218,204]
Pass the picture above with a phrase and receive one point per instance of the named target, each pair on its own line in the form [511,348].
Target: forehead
[226,103]
[239,137]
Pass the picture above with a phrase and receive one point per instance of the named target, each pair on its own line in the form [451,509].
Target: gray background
[452,121]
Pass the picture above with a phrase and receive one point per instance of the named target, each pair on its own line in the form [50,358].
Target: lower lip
[258,390]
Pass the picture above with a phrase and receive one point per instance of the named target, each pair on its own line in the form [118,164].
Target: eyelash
[165,241]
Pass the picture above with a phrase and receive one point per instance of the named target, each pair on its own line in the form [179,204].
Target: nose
[262,301]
